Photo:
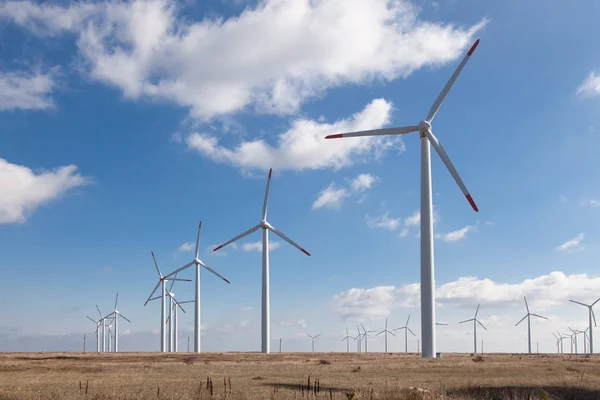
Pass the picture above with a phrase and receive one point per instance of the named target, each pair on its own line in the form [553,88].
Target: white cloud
[146,49]
[26,90]
[300,323]
[384,221]
[455,235]
[413,222]
[187,246]
[303,145]
[22,190]
[591,85]
[330,197]
[362,182]
[257,246]
[572,245]
[590,202]
[360,304]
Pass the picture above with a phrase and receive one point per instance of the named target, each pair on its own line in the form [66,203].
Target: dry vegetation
[295,376]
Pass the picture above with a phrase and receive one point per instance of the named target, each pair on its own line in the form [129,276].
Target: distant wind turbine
[406,330]
[365,335]
[591,316]
[385,330]
[528,316]
[475,322]
[347,339]
[116,315]
[97,333]
[313,340]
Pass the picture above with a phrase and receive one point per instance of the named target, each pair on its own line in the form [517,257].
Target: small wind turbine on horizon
[266,227]
[198,263]
[103,322]
[365,335]
[358,340]
[116,315]
[97,333]
[561,337]
[313,340]
[385,330]
[347,339]
[475,322]
[426,209]
[591,316]
[574,337]
[406,330]
[528,316]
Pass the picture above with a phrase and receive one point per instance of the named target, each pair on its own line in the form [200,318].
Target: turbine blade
[178,279]
[116,300]
[309,335]
[481,324]
[594,303]
[124,317]
[476,311]
[440,99]
[363,327]
[213,271]
[377,334]
[411,332]
[176,302]
[198,238]
[376,132]
[578,302]
[526,305]
[241,235]
[521,320]
[178,271]
[466,320]
[408,319]
[172,282]
[539,316]
[92,320]
[594,316]
[101,316]
[156,265]
[317,335]
[441,323]
[446,160]
[287,239]
[153,290]
[386,324]
[399,329]
[264,211]
[392,333]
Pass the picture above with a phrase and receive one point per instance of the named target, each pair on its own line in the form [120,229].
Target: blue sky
[123,124]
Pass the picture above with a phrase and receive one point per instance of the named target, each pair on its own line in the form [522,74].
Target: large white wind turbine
[161,282]
[313,340]
[427,136]
[266,227]
[385,330]
[406,330]
[590,316]
[116,314]
[347,339]
[528,316]
[197,262]
[475,322]
[102,320]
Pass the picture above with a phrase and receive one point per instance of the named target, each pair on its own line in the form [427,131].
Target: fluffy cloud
[330,197]
[257,246]
[26,90]
[300,323]
[413,222]
[362,182]
[187,246]
[145,49]
[455,235]
[374,303]
[22,190]
[572,245]
[591,85]
[384,221]
[303,145]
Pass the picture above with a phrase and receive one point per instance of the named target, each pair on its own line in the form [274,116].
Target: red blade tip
[218,248]
[473,47]
[305,252]
[336,136]
[472,203]
[270,172]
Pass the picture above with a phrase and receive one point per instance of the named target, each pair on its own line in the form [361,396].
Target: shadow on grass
[48,358]
[299,386]
[526,393]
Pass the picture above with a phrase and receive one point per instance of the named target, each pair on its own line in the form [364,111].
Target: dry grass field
[296,376]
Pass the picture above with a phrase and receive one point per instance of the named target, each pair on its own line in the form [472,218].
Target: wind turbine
[102,320]
[347,339]
[197,262]
[172,320]
[585,339]
[590,316]
[528,316]
[385,330]
[427,136]
[161,282]
[561,337]
[365,335]
[406,330]
[475,322]
[266,227]
[116,314]
[313,340]
[97,333]
[358,340]
[558,342]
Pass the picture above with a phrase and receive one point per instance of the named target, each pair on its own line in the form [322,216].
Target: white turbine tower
[198,263]
[475,322]
[427,265]
[358,340]
[347,339]
[406,330]
[590,316]
[528,316]
[366,335]
[266,227]
[97,333]
[313,340]
[102,320]
[116,315]
[161,282]
[561,338]
[385,330]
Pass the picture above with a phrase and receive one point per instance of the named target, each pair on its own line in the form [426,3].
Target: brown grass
[374,376]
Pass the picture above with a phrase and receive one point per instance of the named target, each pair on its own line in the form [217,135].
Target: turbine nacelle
[265,225]
[424,126]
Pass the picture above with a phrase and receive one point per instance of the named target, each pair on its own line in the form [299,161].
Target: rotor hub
[264,224]
[424,126]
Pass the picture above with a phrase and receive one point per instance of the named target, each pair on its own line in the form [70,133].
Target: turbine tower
[427,265]
[347,339]
[385,330]
[475,322]
[561,338]
[97,333]
[528,316]
[161,282]
[590,316]
[116,314]
[197,262]
[266,227]
[366,335]
[406,330]
[102,320]
[313,340]
[358,340]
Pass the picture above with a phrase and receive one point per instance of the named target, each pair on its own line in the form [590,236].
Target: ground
[296,375]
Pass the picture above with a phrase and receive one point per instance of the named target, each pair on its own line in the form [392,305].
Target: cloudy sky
[122,124]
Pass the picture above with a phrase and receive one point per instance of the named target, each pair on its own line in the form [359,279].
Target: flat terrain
[296,376]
